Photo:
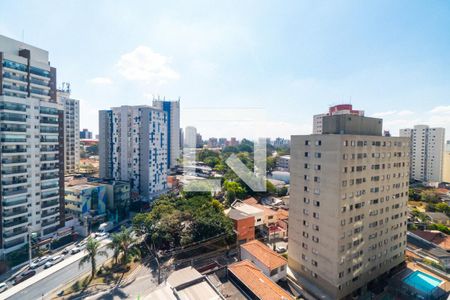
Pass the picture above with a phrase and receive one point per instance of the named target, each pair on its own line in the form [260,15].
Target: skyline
[293,61]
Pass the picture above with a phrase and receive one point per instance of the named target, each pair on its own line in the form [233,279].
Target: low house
[254,283]
[244,225]
[186,284]
[436,237]
[251,211]
[425,249]
[268,261]
[439,218]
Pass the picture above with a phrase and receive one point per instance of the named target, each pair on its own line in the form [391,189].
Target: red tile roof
[435,237]
[264,254]
[257,282]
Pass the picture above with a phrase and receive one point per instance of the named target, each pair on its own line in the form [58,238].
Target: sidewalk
[39,276]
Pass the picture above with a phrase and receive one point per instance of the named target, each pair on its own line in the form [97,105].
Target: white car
[77,249]
[39,262]
[101,236]
[3,287]
[54,260]
[281,249]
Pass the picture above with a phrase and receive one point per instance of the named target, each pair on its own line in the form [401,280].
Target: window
[315,239]
[316,203]
[319,143]
[316,215]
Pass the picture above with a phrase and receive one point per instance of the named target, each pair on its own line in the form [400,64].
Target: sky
[281,62]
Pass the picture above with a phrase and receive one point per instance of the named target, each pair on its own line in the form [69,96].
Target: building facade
[348,207]
[342,109]
[134,148]
[32,145]
[446,168]
[85,134]
[71,129]
[172,109]
[427,152]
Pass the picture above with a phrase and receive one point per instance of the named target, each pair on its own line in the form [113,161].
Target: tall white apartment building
[32,146]
[71,129]
[427,152]
[133,147]
[341,109]
[172,109]
[348,207]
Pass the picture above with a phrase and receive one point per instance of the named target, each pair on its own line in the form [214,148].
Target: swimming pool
[422,281]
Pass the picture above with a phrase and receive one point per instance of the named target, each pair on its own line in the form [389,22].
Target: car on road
[54,260]
[77,249]
[25,275]
[66,250]
[280,249]
[39,262]
[101,236]
[3,287]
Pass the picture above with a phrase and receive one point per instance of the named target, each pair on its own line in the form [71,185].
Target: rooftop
[235,214]
[249,275]
[438,216]
[248,209]
[264,254]
[434,236]
[422,244]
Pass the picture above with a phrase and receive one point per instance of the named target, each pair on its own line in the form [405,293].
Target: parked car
[54,260]
[3,287]
[101,236]
[77,249]
[24,276]
[66,250]
[280,249]
[39,262]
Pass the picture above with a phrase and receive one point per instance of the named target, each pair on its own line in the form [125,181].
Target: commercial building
[250,210]
[341,109]
[243,224]
[85,134]
[134,148]
[172,109]
[32,145]
[253,283]
[446,167]
[71,129]
[348,206]
[272,264]
[427,152]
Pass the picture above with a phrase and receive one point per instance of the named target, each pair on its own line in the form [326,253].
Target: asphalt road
[41,288]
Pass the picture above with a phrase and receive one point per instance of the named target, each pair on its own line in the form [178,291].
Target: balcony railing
[20,78]
[14,181]
[38,81]
[13,106]
[12,140]
[49,221]
[14,171]
[49,149]
[49,140]
[49,203]
[48,121]
[14,161]
[14,150]
[13,128]
[50,186]
[49,168]
[50,213]
[43,197]
[15,232]
[49,176]
[48,111]
[14,118]
[14,212]
[49,129]
[16,202]
[14,192]
[14,243]
[15,223]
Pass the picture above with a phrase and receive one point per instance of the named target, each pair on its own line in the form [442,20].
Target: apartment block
[71,129]
[32,146]
[172,109]
[341,109]
[446,168]
[348,205]
[134,148]
[427,152]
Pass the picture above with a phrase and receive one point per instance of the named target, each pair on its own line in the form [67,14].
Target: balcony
[47,129]
[14,150]
[50,168]
[49,213]
[7,161]
[14,171]
[15,88]
[15,212]
[49,139]
[14,192]
[11,139]
[14,242]
[14,77]
[49,195]
[49,203]
[13,181]
[48,111]
[47,120]
[14,202]
[49,149]
[49,176]
[13,117]
[49,158]
[22,220]
[40,72]
[49,222]
[50,186]
[39,81]
[15,232]
[13,128]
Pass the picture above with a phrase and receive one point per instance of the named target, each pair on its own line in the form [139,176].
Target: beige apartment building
[349,187]
[446,168]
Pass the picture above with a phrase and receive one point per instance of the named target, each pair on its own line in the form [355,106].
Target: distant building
[71,129]
[134,148]
[190,137]
[199,141]
[283,162]
[212,143]
[244,225]
[234,141]
[446,167]
[222,142]
[272,264]
[342,109]
[280,142]
[427,152]
[85,134]
[172,109]
[254,283]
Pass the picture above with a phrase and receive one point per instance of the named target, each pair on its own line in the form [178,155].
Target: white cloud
[441,110]
[405,113]
[384,114]
[143,64]
[101,81]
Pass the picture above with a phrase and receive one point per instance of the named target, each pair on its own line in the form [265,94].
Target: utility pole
[30,255]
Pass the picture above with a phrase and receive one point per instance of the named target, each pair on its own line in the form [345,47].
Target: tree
[92,248]
[124,243]
[271,163]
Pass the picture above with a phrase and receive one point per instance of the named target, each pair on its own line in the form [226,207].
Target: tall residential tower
[348,207]
[32,145]
[427,152]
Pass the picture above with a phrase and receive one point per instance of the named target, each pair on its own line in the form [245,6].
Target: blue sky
[291,59]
